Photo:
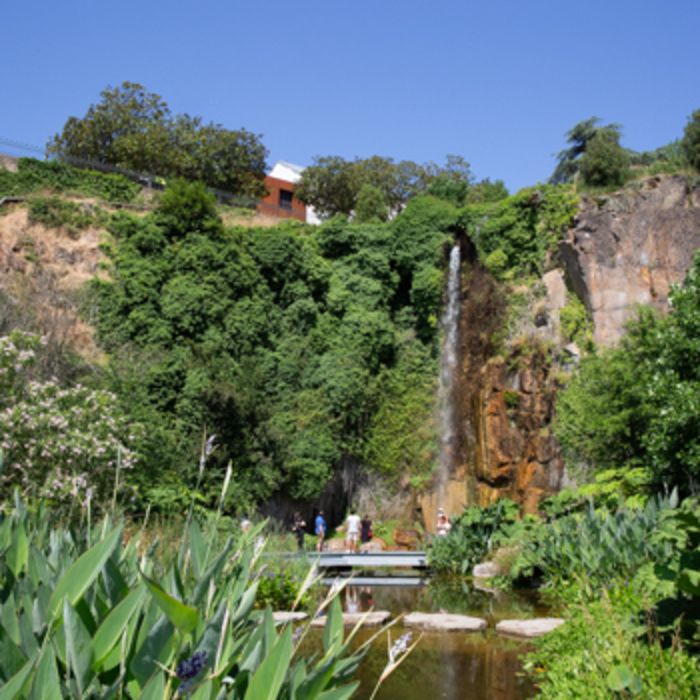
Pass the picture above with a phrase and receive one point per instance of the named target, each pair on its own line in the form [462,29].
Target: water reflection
[478,666]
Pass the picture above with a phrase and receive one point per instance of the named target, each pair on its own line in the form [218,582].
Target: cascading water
[448,367]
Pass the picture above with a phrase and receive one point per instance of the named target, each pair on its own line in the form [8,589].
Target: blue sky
[499,82]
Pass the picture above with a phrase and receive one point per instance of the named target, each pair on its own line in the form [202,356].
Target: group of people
[356,530]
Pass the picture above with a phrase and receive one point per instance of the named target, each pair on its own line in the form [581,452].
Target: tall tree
[691,139]
[134,129]
[579,137]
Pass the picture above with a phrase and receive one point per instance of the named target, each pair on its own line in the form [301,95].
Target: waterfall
[448,367]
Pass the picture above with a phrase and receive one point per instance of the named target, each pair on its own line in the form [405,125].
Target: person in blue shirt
[320,530]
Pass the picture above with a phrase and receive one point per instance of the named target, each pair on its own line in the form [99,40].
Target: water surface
[451,665]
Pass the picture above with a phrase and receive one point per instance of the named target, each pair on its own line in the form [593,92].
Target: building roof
[282,170]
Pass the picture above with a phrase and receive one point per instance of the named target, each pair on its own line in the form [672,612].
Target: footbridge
[372,560]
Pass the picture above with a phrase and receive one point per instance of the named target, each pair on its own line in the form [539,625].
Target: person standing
[352,530]
[298,529]
[320,530]
[365,529]
[443,524]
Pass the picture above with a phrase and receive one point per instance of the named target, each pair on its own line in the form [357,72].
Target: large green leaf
[342,693]
[269,677]
[18,554]
[110,631]
[78,646]
[184,617]
[13,688]
[622,678]
[46,685]
[12,658]
[333,631]
[82,573]
[156,647]
[155,688]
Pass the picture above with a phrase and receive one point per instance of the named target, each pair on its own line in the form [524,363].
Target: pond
[451,665]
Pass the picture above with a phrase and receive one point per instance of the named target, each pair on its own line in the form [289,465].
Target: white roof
[289,172]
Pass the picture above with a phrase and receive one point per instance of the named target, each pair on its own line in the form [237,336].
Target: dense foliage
[519,234]
[638,405]
[85,615]
[580,138]
[280,341]
[33,175]
[472,536]
[333,185]
[134,129]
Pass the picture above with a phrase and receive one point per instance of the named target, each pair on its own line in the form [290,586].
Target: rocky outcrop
[515,453]
[629,247]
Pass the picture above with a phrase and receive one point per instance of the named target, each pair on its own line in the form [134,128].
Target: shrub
[33,175]
[598,653]
[473,535]
[63,443]
[55,212]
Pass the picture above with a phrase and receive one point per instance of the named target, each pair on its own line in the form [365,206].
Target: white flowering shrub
[57,442]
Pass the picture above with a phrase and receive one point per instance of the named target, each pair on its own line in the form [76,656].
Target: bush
[33,175]
[55,212]
[473,535]
[599,654]
[63,443]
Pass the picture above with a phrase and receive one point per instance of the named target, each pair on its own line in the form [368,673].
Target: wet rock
[373,619]
[283,617]
[409,539]
[487,569]
[528,628]
[444,622]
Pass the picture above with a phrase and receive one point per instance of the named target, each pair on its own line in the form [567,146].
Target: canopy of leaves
[134,129]
[332,185]
[284,342]
[579,138]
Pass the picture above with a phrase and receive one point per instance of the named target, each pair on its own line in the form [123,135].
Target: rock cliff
[625,249]
[629,247]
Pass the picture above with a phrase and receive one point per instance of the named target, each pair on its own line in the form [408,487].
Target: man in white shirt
[352,530]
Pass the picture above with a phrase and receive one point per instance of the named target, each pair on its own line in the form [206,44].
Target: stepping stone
[374,619]
[282,617]
[444,622]
[528,628]
[487,569]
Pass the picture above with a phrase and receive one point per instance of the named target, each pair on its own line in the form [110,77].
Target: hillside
[312,353]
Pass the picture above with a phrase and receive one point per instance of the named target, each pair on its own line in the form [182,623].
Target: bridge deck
[370,560]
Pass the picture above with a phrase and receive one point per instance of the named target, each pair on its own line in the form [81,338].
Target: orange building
[280,201]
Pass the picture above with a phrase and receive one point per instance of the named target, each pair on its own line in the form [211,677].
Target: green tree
[605,162]
[569,160]
[691,140]
[371,205]
[134,129]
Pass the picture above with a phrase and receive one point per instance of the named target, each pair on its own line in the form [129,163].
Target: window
[286,199]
